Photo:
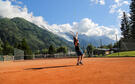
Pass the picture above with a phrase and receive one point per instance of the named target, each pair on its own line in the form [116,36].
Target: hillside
[125,53]
[94,40]
[14,30]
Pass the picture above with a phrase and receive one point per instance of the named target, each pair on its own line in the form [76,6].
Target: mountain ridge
[15,29]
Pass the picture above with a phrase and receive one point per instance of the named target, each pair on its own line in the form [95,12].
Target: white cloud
[19,2]
[113,8]
[61,30]
[101,2]
[13,0]
[117,7]
[126,2]
[94,1]
[16,1]
[120,13]
[117,1]
[121,2]
[88,27]
[11,11]
[85,26]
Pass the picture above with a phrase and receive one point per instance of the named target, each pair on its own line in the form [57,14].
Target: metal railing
[36,56]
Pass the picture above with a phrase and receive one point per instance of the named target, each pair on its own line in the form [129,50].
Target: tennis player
[78,50]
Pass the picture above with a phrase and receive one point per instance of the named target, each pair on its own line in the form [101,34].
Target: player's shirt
[77,47]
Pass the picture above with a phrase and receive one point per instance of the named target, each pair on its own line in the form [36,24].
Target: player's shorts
[79,52]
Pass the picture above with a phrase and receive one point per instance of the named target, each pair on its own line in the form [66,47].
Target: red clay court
[65,71]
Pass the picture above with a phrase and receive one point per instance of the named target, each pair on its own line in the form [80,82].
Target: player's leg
[78,60]
[81,57]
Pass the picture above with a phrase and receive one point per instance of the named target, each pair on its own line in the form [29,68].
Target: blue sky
[89,17]
[68,11]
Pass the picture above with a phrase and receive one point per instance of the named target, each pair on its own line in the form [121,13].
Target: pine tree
[110,46]
[51,50]
[125,26]
[90,49]
[132,13]
[44,51]
[1,47]
[62,49]
[7,49]
[27,51]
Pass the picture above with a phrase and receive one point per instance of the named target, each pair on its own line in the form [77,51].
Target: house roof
[103,49]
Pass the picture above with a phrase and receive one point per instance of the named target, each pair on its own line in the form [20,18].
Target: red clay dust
[65,71]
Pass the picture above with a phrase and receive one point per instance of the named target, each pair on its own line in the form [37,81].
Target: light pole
[117,44]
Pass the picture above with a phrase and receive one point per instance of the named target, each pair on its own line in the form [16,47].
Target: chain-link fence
[1,58]
[19,55]
[124,48]
[6,58]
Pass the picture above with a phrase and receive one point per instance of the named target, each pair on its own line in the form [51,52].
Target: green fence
[18,54]
[6,58]
[1,58]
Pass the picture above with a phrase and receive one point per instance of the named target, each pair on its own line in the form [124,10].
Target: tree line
[7,49]
[52,50]
[127,30]
[90,48]
[128,23]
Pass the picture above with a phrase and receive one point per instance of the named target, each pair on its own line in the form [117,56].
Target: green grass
[123,54]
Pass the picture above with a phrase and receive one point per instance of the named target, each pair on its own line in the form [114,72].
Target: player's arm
[72,33]
[76,35]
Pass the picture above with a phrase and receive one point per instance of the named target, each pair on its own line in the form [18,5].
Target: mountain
[94,40]
[14,30]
